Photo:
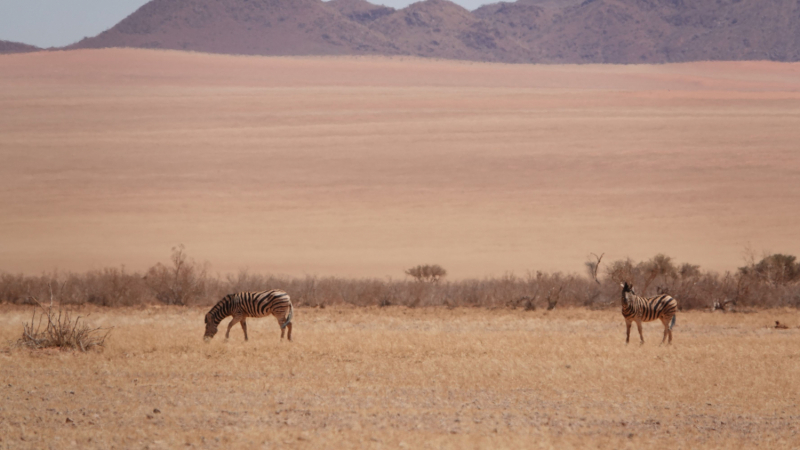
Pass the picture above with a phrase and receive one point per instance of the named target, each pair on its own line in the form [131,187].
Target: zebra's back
[647,309]
[259,304]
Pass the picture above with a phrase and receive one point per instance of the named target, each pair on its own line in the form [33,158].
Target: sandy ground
[404,378]
[368,166]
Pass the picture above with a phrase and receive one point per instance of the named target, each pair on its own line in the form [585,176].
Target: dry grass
[415,378]
[55,328]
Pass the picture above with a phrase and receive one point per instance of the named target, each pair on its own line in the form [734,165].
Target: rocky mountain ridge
[526,31]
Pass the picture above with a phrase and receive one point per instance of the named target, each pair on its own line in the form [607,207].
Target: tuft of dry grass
[57,329]
[398,377]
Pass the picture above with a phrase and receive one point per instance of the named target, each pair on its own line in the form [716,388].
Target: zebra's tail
[672,322]
[289,317]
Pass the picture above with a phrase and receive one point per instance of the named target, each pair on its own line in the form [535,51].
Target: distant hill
[526,31]
[260,27]
[442,29]
[361,11]
[16,47]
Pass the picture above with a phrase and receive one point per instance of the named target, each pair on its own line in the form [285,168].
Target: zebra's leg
[280,324]
[627,331]
[244,328]
[234,321]
[670,332]
[639,326]
[281,321]
[665,321]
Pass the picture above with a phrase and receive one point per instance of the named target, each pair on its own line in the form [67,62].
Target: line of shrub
[774,281]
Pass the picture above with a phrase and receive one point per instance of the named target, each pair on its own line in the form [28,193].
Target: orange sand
[367,166]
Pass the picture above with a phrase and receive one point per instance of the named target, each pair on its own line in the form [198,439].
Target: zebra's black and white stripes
[643,309]
[251,304]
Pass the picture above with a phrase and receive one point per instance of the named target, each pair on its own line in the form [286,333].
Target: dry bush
[106,287]
[114,287]
[430,273]
[179,284]
[772,282]
[57,329]
[17,289]
[775,270]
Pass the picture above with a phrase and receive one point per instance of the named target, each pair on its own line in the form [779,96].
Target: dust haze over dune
[365,166]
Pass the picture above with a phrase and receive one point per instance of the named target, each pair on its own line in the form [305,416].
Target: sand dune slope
[367,166]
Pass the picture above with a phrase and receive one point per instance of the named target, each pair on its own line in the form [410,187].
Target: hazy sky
[54,23]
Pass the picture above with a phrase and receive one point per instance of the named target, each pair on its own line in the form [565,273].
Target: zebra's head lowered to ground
[211,327]
[218,312]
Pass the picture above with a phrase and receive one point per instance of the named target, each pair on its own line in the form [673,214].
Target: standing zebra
[643,309]
[250,304]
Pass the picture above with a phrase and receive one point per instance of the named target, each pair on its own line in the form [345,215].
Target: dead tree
[593,266]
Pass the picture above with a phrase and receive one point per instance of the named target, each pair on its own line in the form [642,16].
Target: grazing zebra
[250,304]
[643,309]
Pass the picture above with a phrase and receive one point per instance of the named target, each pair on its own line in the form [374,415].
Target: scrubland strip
[772,282]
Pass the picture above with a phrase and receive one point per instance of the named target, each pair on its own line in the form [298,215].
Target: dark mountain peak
[431,15]
[353,4]
[360,11]
[442,29]
[518,11]
[262,27]
[440,6]
[16,47]
[549,4]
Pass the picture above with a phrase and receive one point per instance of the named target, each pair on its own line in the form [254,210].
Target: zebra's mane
[221,305]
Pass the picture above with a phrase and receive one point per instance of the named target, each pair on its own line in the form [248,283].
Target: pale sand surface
[400,378]
[407,378]
[367,166]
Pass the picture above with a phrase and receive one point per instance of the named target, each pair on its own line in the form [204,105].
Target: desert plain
[365,166]
[407,378]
